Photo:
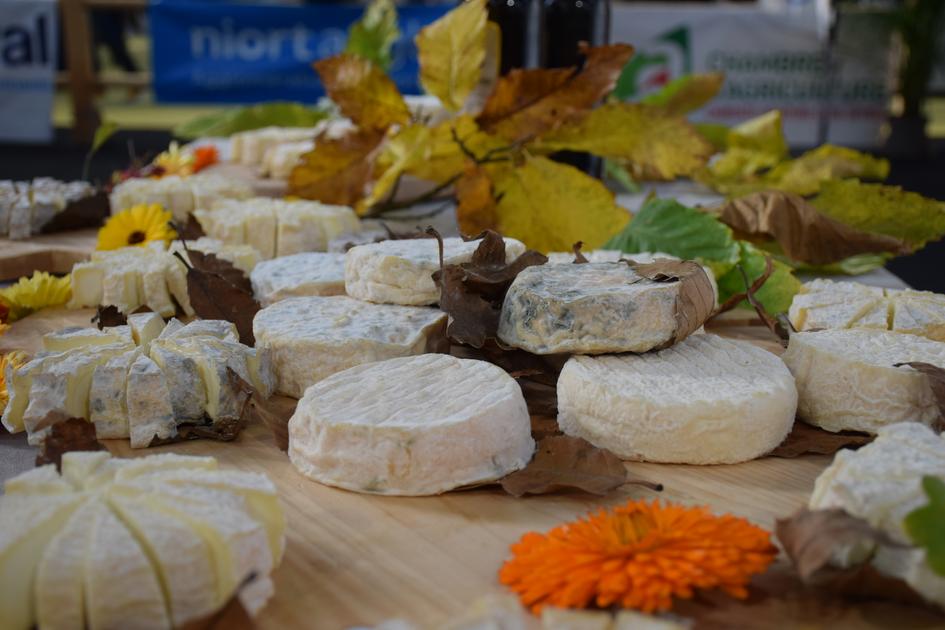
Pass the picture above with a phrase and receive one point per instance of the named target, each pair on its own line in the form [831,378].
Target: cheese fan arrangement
[415,362]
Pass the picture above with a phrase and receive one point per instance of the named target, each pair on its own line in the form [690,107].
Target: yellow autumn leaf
[661,144]
[451,53]
[401,151]
[550,206]
[687,93]
[753,146]
[362,91]
[805,174]
[338,170]
[443,157]
[475,208]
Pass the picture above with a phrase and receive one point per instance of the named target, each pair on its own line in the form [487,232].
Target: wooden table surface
[357,559]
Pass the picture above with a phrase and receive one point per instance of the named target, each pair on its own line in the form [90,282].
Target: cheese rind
[846,379]
[400,271]
[705,400]
[299,275]
[592,308]
[150,411]
[882,483]
[311,338]
[411,426]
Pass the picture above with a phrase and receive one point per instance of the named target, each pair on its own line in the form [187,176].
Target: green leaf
[374,35]
[105,131]
[230,121]
[775,294]
[881,209]
[926,525]
[616,171]
[665,225]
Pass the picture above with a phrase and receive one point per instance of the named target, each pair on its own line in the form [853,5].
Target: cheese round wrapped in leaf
[153,542]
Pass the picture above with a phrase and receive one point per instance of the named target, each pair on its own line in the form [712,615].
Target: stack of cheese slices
[180,195]
[155,542]
[27,207]
[848,362]
[138,381]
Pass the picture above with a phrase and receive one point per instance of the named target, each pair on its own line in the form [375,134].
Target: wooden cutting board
[356,559]
[55,253]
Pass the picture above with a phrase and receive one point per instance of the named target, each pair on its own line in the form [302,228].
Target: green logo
[651,69]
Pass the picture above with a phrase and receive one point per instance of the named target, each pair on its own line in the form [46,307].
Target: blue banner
[223,52]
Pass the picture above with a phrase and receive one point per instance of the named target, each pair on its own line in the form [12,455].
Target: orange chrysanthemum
[641,556]
[205,156]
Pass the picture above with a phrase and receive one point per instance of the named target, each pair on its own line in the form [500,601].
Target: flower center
[136,237]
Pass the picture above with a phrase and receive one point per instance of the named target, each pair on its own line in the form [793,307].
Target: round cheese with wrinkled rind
[400,271]
[882,484]
[412,426]
[592,308]
[705,400]
[153,542]
[299,275]
[311,338]
[846,380]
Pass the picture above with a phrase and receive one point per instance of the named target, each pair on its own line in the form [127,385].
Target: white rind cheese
[400,271]
[150,410]
[145,543]
[311,338]
[108,404]
[299,275]
[846,379]
[180,195]
[828,304]
[882,483]
[412,426]
[590,308]
[705,400]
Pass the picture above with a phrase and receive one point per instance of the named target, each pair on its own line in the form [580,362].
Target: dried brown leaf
[472,293]
[806,439]
[802,231]
[189,231]
[217,290]
[362,91]
[936,379]
[65,435]
[89,211]
[696,300]
[563,462]
[810,537]
[275,413]
[579,258]
[108,316]
[337,170]
[527,103]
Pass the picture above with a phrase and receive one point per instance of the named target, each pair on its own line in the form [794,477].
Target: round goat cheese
[311,338]
[705,400]
[412,426]
[400,271]
[846,379]
[882,483]
[298,275]
[592,308]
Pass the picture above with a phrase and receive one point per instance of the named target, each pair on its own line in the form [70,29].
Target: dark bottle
[512,18]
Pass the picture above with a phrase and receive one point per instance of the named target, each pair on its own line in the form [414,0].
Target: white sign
[771,60]
[28,53]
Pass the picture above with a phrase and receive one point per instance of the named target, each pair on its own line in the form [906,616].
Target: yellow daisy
[14,359]
[138,225]
[32,294]
[175,162]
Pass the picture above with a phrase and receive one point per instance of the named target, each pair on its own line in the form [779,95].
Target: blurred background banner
[830,85]
[28,53]
[224,52]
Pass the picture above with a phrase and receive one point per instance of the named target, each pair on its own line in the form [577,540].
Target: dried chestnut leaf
[579,258]
[936,379]
[218,290]
[563,462]
[696,300]
[804,439]
[87,212]
[66,435]
[109,316]
[189,231]
[275,413]
[472,293]
[810,537]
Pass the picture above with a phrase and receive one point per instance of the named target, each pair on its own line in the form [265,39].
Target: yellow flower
[14,359]
[31,294]
[138,225]
[175,162]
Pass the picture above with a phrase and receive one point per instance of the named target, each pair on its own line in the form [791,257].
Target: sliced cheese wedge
[41,480]
[846,379]
[108,404]
[150,411]
[76,337]
[186,386]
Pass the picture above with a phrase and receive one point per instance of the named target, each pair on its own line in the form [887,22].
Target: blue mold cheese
[154,542]
[311,338]
[411,426]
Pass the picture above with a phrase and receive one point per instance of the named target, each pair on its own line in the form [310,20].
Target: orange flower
[639,556]
[205,156]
